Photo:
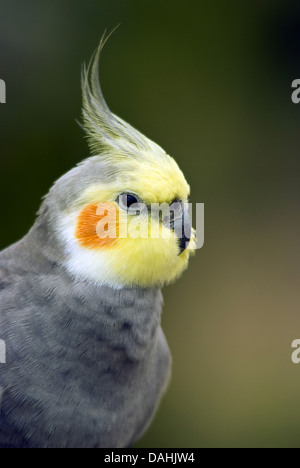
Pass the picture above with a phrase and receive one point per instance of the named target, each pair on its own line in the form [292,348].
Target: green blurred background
[210,82]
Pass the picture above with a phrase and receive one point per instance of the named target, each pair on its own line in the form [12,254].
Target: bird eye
[126,200]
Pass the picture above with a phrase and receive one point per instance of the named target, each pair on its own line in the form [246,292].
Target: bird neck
[87,317]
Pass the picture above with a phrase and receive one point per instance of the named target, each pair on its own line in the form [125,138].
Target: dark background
[211,83]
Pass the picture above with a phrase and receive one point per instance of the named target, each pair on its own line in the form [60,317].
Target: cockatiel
[86,359]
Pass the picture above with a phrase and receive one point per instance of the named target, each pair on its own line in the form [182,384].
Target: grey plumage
[86,365]
[86,359]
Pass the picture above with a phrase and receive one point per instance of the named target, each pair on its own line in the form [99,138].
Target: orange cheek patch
[98,225]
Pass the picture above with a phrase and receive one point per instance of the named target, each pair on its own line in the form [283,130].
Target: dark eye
[126,200]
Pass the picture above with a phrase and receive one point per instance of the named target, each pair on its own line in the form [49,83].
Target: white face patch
[84,263]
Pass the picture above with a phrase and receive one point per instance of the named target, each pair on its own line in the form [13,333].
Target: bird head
[109,214]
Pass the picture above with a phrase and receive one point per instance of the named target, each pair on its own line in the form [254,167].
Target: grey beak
[180,223]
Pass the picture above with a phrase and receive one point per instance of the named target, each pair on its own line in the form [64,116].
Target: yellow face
[127,254]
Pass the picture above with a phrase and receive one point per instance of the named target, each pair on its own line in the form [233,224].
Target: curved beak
[180,223]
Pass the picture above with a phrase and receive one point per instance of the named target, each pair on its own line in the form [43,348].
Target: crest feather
[107,133]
